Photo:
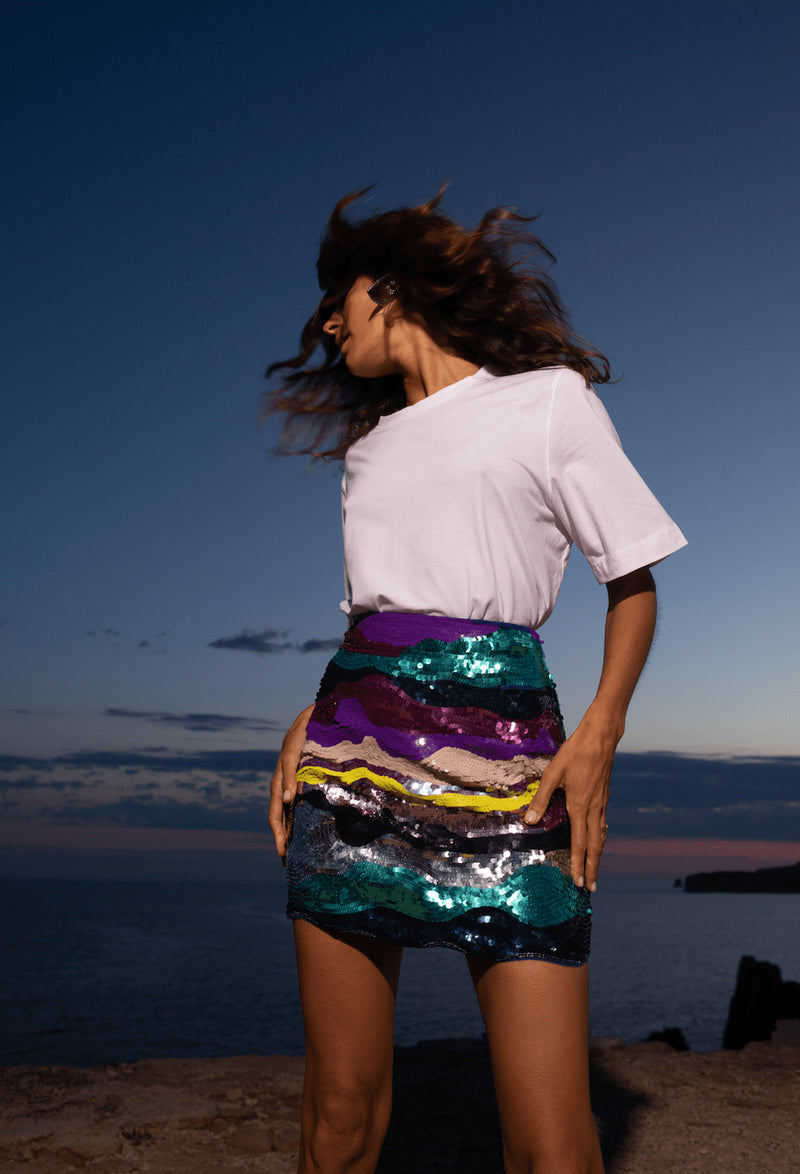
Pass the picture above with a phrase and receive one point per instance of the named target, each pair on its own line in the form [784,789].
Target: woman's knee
[345,1119]
[342,1109]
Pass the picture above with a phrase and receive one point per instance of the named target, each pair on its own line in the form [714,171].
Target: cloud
[143,811]
[212,790]
[315,645]
[214,722]
[663,794]
[37,783]
[653,795]
[27,783]
[269,641]
[265,642]
[26,790]
[244,765]
[697,779]
[12,762]
[114,633]
[225,762]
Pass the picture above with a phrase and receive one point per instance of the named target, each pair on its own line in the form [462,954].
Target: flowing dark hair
[473,292]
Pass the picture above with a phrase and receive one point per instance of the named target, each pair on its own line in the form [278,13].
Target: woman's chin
[360,370]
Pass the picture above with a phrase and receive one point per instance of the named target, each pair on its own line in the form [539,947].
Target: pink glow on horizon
[622,857]
[629,857]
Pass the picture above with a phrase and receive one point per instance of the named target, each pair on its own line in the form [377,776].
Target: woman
[432,796]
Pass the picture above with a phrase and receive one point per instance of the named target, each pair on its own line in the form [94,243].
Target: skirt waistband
[402,627]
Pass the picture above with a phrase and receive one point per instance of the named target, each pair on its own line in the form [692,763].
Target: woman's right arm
[284,781]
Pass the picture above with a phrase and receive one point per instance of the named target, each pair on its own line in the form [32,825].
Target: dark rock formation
[670,1035]
[763,880]
[760,999]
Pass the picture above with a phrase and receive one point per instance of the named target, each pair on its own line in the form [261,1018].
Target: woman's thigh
[348,990]
[536,1017]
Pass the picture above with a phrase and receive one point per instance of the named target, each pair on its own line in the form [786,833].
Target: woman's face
[362,333]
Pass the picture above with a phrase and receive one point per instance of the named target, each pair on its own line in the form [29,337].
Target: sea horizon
[119,970]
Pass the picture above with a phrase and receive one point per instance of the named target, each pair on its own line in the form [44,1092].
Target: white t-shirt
[467,503]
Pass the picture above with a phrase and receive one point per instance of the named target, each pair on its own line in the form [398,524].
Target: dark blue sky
[168,170]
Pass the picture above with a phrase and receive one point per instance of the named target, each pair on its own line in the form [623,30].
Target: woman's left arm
[582,766]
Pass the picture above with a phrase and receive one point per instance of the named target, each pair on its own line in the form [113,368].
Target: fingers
[586,809]
[597,830]
[588,832]
[283,788]
[578,841]
[550,780]
[277,814]
[289,763]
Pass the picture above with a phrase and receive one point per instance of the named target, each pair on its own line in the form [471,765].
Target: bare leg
[348,988]
[536,1018]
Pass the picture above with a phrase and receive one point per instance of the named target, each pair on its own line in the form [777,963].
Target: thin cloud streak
[270,641]
[265,643]
[213,722]
[314,645]
[139,811]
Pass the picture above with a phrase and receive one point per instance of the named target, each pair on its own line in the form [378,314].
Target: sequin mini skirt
[425,747]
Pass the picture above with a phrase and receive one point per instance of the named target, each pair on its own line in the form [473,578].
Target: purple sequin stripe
[400,628]
[426,737]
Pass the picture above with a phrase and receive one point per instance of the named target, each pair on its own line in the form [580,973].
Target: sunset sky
[171,589]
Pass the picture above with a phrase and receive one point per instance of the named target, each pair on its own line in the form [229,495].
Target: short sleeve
[596,494]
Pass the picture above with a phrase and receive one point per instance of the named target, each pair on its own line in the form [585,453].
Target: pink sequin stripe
[426,728]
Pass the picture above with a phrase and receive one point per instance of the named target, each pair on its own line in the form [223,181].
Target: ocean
[98,972]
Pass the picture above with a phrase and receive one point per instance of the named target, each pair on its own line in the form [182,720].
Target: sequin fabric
[425,747]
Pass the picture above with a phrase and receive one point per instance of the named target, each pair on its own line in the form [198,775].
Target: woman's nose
[333,323]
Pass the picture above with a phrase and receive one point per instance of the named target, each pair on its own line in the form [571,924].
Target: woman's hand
[582,766]
[283,787]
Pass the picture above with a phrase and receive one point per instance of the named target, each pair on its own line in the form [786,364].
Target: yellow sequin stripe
[315,776]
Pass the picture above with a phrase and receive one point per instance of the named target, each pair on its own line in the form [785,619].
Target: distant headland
[762,880]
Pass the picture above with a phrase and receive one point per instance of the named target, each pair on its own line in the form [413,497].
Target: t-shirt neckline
[444,393]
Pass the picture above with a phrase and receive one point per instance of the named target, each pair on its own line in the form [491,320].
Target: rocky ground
[658,1111]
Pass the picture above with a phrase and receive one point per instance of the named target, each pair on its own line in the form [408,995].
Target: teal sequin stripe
[537,895]
[501,657]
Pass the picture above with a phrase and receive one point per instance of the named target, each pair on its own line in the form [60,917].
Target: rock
[604,1043]
[656,1109]
[787,1031]
[763,880]
[790,1005]
[672,1036]
[284,1136]
[761,998]
[256,1139]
